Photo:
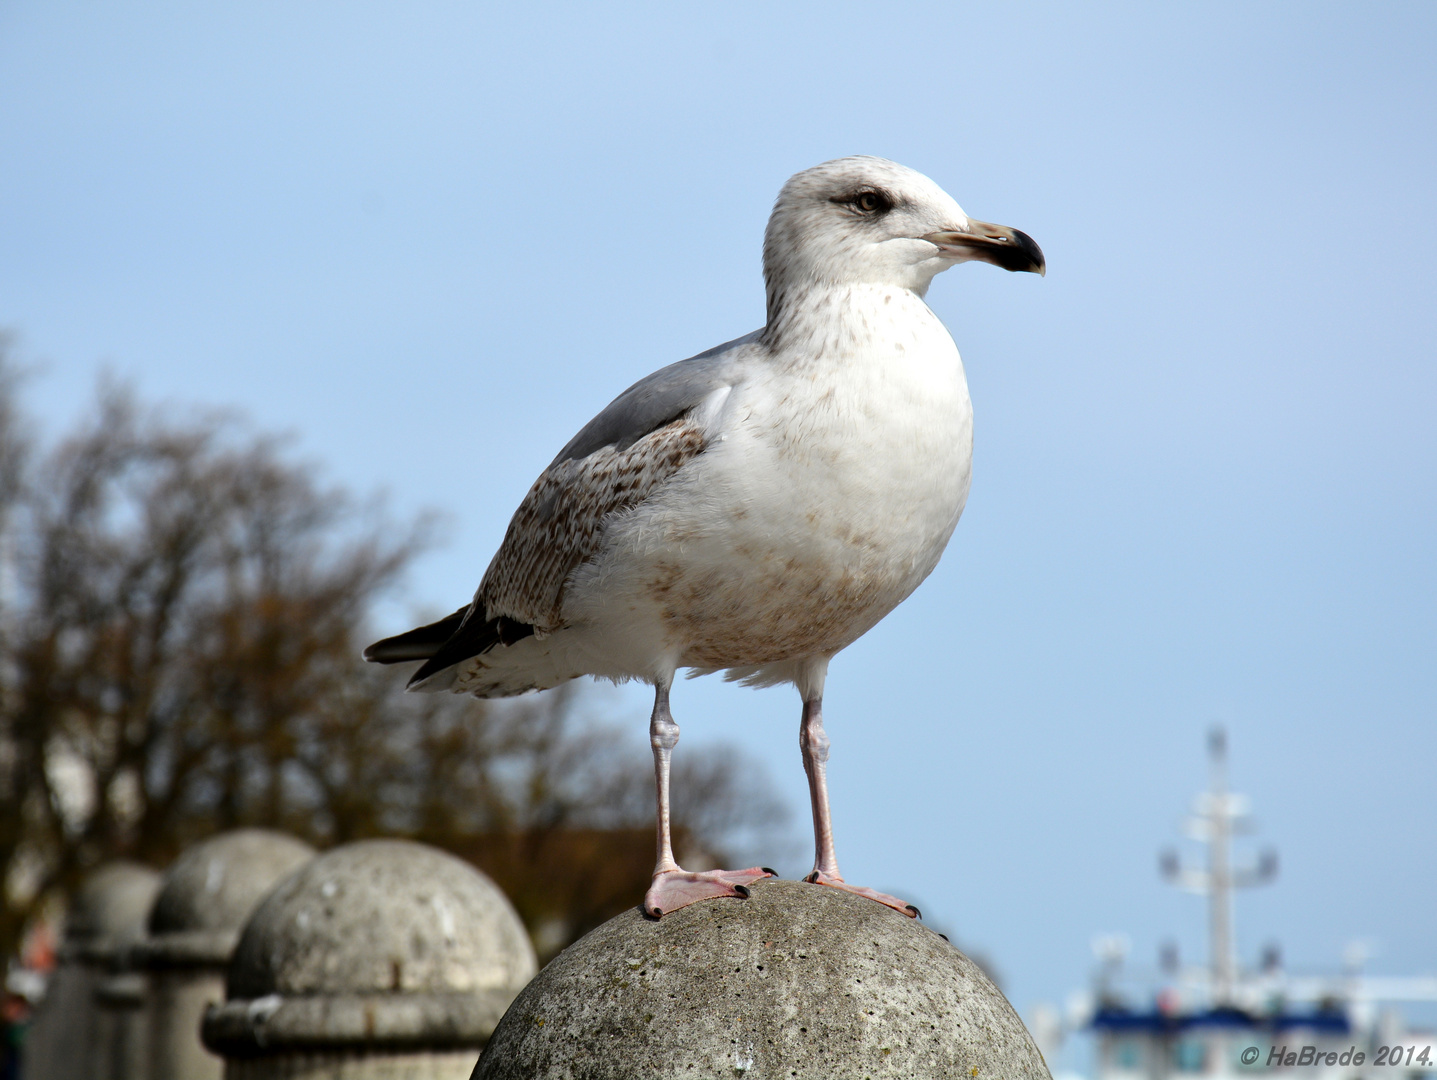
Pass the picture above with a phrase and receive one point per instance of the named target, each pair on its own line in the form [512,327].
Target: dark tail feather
[418,644]
[471,638]
[447,642]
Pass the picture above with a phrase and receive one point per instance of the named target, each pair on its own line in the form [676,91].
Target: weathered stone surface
[797,981]
[120,1003]
[380,958]
[212,889]
[74,1032]
[208,895]
[109,910]
[337,1065]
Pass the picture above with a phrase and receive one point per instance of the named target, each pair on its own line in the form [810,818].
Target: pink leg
[813,740]
[674,887]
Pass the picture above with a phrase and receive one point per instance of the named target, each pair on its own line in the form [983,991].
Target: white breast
[837,473]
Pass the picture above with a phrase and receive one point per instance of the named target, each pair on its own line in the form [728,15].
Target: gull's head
[867,220]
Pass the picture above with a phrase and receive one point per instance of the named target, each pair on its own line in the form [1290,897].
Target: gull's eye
[872,202]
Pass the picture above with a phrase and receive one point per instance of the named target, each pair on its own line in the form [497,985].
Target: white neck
[833,321]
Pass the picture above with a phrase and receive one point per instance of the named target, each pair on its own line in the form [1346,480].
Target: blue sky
[432,239]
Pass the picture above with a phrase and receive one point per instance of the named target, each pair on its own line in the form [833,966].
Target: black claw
[812,878]
[770,873]
[742,890]
[945,938]
[916,913]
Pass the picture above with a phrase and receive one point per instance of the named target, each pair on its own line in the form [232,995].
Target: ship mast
[1219,815]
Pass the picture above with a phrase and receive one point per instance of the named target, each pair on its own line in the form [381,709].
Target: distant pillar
[798,981]
[380,959]
[74,1034]
[208,895]
[121,1000]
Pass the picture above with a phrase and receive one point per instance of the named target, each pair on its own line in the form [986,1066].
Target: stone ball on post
[77,1031]
[796,981]
[379,958]
[212,889]
[208,895]
[110,908]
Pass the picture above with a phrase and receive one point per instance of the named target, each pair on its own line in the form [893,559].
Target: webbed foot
[835,882]
[673,889]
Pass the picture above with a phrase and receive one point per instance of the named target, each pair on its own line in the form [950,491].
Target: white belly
[828,494]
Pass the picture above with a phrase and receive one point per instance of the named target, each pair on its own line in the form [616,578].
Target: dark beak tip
[1036,264]
[1000,246]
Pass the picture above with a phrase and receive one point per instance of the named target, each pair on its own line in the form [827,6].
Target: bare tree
[177,593]
[181,612]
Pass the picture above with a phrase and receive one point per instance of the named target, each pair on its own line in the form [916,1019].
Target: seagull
[756,508]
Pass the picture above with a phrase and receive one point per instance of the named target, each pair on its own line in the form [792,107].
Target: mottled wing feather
[639,440]
[560,524]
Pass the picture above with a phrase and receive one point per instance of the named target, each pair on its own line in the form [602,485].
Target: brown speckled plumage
[560,524]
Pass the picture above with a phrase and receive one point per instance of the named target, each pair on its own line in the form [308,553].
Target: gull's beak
[996,244]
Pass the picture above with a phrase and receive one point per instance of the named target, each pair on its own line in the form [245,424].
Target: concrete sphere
[211,890]
[109,909]
[209,893]
[377,945]
[797,981]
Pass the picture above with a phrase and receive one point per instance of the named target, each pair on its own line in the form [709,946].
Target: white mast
[1218,815]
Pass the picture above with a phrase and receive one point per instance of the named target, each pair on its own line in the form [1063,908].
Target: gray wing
[657,399]
[641,439]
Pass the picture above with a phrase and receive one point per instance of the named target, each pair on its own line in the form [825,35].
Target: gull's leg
[813,741]
[674,887]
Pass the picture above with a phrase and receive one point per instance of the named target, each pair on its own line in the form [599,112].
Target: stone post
[121,1001]
[798,981]
[208,895]
[380,959]
[73,1035]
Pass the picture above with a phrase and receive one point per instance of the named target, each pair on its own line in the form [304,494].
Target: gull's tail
[421,643]
[452,640]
